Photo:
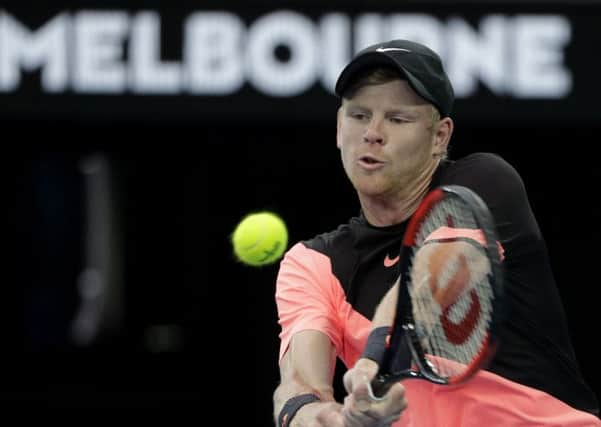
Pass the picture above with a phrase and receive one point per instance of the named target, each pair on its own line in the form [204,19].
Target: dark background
[179,188]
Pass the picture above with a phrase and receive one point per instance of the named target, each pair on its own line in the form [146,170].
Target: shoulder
[341,236]
[485,162]
[322,254]
[331,244]
[487,173]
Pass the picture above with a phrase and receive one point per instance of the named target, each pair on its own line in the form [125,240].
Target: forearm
[375,348]
[318,411]
[290,388]
[307,367]
[384,314]
[307,414]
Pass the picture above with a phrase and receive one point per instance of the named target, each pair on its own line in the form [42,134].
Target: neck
[386,210]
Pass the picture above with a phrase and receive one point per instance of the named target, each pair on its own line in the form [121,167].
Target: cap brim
[374,60]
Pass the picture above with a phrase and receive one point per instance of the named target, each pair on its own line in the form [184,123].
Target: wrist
[315,412]
[293,406]
[306,414]
[366,365]
[377,341]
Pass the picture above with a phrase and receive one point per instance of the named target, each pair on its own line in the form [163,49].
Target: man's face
[385,137]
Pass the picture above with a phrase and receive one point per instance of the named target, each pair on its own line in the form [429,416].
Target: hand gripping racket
[450,297]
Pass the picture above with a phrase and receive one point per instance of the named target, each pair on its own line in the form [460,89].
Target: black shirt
[535,348]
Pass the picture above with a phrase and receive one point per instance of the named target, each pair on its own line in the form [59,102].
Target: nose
[373,134]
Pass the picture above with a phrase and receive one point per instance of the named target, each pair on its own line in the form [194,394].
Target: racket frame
[405,324]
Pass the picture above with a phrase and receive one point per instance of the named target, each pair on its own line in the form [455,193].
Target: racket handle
[380,386]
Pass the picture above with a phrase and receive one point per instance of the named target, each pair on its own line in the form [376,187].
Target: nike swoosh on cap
[388,49]
[388,262]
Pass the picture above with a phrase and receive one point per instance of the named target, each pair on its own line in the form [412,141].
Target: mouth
[370,162]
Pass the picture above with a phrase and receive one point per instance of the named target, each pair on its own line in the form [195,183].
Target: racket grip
[380,386]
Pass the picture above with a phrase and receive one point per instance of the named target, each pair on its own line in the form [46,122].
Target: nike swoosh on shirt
[390,262]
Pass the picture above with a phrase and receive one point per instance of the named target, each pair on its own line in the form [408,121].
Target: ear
[338,126]
[442,136]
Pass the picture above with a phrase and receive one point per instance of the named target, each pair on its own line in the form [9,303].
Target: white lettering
[368,30]
[212,52]
[538,57]
[280,54]
[24,49]
[296,73]
[417,27]
[148,73]
[478,56]
[98,52]
[335,47]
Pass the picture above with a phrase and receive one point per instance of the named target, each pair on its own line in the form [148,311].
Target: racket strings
[452,213]
[451,309]
[437,335]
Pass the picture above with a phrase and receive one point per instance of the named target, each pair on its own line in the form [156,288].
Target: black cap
[419,64]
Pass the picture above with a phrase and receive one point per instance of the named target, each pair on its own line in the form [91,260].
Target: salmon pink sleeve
[453,233]
[308,296]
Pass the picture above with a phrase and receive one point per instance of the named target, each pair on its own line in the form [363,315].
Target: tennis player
[393,130]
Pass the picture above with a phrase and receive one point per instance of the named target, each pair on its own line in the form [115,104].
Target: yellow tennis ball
[260,239]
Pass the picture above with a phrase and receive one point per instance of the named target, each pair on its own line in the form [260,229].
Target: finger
[362,400]
[363,371]
[369,418]
[329,417]
[353,417]
[361,409]
[372,395]
[396,396]
[347,380]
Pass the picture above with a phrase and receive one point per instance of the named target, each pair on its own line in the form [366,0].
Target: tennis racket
[449,304]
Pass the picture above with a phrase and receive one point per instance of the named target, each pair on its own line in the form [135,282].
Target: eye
[358,115]
[397,120]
